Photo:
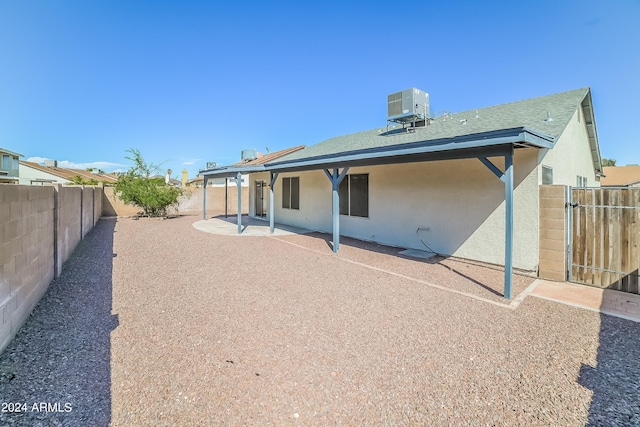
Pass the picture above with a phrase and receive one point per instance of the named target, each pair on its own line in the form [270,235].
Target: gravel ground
[164,325]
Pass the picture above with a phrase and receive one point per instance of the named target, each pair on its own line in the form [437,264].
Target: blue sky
[188,82]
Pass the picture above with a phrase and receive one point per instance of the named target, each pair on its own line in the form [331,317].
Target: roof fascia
[592,132]
[466,146]
[348,161]
[13,153]
[46,170]
[230,172]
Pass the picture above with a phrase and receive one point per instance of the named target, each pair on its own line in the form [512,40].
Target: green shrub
[152,195]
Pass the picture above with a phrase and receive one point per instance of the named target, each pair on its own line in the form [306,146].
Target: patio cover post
[336,178]
[508,244]
[204,199]
[507,178]
[272,181]
[239,185]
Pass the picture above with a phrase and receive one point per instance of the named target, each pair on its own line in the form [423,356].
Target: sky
[190,82]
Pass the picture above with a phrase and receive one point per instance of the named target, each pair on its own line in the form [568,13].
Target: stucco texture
[460,202]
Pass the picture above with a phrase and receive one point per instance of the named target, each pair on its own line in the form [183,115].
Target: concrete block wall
[192,204]
[26,253]
[553,264]
[189,205]
[112,206]
[69,230]
[87,210]
[97,204]
[40,227]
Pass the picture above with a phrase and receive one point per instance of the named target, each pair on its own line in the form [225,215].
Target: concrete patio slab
[607,301]
[250,227]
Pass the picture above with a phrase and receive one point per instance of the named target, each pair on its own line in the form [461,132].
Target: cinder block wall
[189,205]
[26,253]
[97,204]
[112,206]
[87,210]
[39,229]
[67,221]
[552,233]
[192,204]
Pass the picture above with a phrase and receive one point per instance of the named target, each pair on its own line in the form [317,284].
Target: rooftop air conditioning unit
[249,154]
[51,163]
[407,106]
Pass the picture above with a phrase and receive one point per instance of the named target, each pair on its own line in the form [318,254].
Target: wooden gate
[603,248]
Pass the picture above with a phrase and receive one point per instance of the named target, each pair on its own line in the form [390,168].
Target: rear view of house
[463,184]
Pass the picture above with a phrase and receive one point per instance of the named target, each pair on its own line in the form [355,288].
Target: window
[6,162]
[16,164]
[582,181]
[291,193]
[547,175]
[354,195]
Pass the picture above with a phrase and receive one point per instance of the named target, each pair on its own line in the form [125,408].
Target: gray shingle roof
[530,113]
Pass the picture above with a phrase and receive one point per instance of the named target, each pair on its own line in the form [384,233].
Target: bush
[152,195]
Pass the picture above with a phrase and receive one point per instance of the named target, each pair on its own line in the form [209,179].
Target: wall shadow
[394,251]
[59,362]
[615,380]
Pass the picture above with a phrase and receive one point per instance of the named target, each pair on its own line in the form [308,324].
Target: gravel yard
[155,323]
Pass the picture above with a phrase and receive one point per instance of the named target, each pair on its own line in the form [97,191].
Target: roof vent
[249,154]
[51,163]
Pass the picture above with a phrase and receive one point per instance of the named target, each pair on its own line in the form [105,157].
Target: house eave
[489,144]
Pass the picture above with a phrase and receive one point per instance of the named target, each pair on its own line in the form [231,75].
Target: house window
[354,195]
[547,175]
[291,193]
[6,162]
[16,164]
[582,181]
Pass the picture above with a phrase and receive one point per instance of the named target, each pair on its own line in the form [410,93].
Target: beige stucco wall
[26,253]
[571,155]
[460,201]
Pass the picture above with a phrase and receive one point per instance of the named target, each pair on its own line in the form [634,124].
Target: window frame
[291,192]
[548,169]
[347,196]
[6,158]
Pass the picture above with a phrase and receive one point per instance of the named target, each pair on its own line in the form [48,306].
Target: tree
[78,180]
[608,162]
[136,187]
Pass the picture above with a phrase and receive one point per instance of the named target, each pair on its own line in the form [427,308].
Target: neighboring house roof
[69,174]
[620,176]
[536,122]
[266,158]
